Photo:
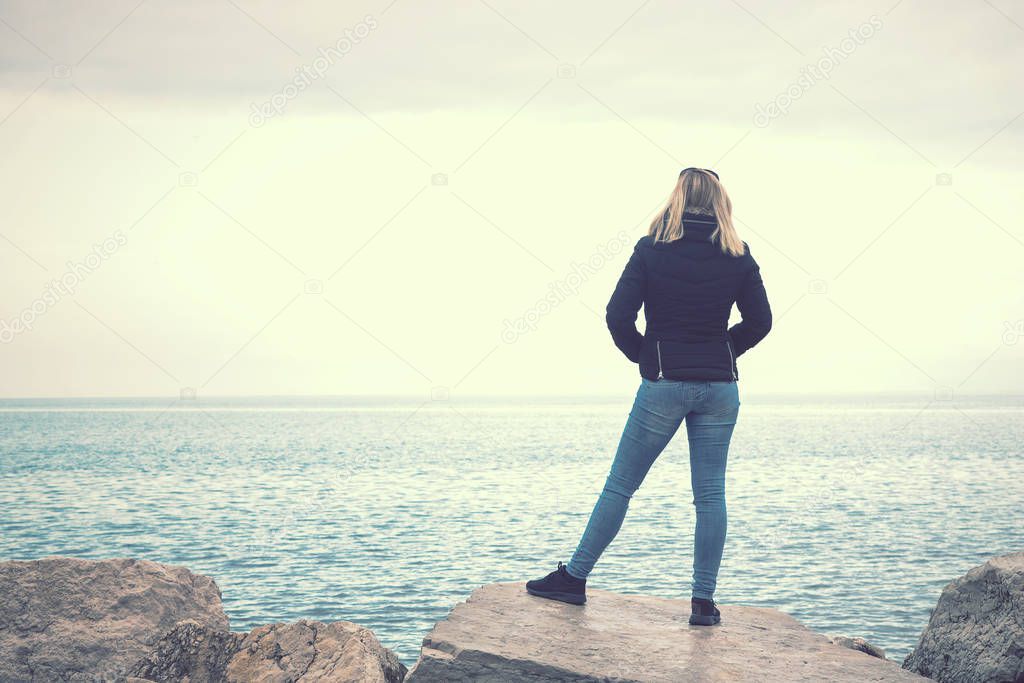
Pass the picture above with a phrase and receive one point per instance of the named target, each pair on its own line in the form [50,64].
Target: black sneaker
[559,585]
[703,612]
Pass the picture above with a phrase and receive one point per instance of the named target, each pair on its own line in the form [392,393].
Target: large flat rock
[65,619]
[501,633]
[976,631]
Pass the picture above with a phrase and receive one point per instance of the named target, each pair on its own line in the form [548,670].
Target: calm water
[850,514]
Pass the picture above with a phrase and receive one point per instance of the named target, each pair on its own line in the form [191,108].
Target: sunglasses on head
[706,170]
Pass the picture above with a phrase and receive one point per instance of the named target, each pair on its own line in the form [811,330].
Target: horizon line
[426,396]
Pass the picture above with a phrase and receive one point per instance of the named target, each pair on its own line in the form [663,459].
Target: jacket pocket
[732,357]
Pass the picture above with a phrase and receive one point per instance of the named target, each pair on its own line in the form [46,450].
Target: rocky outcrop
[303,652]
[859,644]
[503,634]
[64,619]
[976,631]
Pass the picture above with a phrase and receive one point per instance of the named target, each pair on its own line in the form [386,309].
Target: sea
[851,513]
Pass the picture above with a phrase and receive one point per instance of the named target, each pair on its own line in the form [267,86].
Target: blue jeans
[710,410]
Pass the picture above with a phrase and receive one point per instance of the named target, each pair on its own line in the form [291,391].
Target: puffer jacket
[687,288]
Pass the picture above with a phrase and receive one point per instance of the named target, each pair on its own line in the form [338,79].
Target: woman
[687,273]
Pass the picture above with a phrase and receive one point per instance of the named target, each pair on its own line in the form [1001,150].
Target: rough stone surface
[503,634]
[65,619]
[859,644]
[976,631]
[189,651]
[302,652]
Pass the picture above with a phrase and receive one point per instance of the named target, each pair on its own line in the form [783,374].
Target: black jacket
[687,288]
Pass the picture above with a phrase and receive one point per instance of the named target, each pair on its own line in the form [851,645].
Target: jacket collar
[698,227]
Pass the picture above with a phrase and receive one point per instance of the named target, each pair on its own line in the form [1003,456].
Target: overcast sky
[454,170]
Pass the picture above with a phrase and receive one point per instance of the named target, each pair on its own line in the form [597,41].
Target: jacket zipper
[732,360]
[657,344]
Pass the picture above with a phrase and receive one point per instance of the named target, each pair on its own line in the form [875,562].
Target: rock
[65,619]
[303,652]
[976,631]
[859,644]
[189,651]
[503,634]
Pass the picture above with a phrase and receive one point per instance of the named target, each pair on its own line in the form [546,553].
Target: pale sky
[456,158]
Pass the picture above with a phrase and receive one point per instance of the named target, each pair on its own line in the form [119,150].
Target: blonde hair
[698,191]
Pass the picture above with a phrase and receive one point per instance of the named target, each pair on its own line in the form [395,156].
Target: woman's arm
[752,303]
[625,303]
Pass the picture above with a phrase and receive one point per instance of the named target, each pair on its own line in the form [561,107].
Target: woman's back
[687,286]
